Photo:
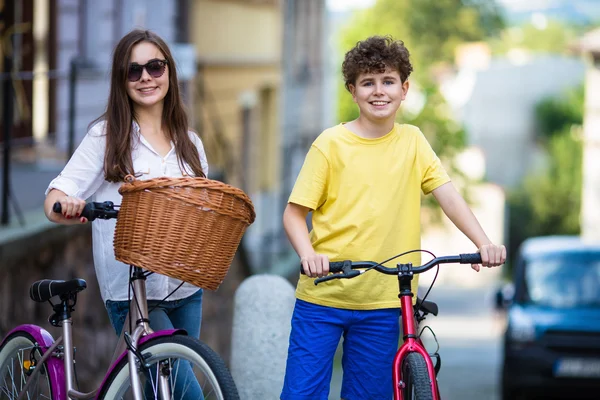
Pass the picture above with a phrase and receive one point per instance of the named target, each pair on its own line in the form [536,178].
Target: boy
[362,181]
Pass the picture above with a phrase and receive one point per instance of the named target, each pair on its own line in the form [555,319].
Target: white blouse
[83,177]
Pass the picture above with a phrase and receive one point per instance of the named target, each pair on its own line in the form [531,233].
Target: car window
[564,282]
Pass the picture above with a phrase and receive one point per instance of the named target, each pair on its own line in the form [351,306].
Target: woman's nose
[145,75]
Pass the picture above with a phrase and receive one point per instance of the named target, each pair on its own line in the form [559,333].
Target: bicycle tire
[213,376]
[17,349]
[416,378]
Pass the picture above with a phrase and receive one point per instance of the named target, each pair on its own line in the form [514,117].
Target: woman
[144,132]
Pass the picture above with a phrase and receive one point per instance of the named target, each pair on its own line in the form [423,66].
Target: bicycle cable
[169,295]
[437,270]
[146,274]
[403,254]
[399,255]
[434,337]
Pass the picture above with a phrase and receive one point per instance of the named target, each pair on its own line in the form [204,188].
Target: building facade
[86,34]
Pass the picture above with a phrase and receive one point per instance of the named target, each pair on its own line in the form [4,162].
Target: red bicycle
[414,374]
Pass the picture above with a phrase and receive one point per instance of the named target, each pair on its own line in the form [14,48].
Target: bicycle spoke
[173,379]
[15,366]
[12,387]
[22,374]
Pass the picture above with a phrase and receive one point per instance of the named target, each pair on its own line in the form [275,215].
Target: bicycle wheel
[17,362]
[416,378]
[193,369]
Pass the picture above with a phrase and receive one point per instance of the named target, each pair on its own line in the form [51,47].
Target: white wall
[497,107]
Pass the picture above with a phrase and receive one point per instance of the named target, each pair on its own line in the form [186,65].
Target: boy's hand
[491,256]
[315,265]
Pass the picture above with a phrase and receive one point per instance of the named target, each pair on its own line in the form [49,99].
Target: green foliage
[555,37]
[554,115]
[548,202]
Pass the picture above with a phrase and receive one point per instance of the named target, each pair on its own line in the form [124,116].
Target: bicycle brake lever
[352,273]
[349,274]
[328,278]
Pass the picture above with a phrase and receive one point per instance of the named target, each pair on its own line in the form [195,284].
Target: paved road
[469,337]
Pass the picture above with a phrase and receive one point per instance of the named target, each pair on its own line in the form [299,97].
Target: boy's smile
[379,95]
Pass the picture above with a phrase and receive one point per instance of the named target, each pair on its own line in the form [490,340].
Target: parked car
[552,339]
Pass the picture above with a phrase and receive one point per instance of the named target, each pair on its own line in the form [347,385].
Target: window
[568,282]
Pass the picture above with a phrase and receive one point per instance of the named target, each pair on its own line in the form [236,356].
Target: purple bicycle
[156,365]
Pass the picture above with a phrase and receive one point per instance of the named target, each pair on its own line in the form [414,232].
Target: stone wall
[63,252]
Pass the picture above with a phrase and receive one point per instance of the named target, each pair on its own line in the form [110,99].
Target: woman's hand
[71,208]
[491,256]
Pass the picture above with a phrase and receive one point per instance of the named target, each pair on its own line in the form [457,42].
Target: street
[469,336]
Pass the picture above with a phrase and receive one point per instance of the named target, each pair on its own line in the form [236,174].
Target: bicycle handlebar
[349,269]
[93,210]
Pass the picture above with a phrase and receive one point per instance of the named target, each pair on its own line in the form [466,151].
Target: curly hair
[374,55]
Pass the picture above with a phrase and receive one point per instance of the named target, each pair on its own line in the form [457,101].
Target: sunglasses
[155,69]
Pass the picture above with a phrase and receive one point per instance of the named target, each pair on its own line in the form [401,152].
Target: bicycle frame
[411,341]
[62,372]
[404,272]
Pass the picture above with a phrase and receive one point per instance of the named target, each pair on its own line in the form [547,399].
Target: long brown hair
[119,114]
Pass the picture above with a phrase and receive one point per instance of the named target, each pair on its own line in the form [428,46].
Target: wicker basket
[185,228]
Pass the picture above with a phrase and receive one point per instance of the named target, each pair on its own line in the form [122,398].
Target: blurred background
[506,91]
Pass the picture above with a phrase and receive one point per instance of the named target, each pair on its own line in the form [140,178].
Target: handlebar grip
[336,266]
[471,258]
[87,212]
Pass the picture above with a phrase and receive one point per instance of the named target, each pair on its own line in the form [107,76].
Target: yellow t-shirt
[365,197]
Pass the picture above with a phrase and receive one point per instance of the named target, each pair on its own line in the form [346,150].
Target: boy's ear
[405,86]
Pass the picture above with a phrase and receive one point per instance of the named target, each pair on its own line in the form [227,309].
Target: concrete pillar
[590,202]
[263,306]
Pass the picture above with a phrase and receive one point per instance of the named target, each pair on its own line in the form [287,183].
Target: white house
[496,99]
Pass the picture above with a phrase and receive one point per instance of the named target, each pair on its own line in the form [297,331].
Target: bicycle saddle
[43,290]
[427,306]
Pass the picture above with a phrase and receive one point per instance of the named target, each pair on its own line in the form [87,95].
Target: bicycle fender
[167,332]
[54,365]
[143,339]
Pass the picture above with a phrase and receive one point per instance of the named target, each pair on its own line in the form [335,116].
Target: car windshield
[568,282]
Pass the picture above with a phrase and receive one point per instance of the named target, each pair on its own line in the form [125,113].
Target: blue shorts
[369,346]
